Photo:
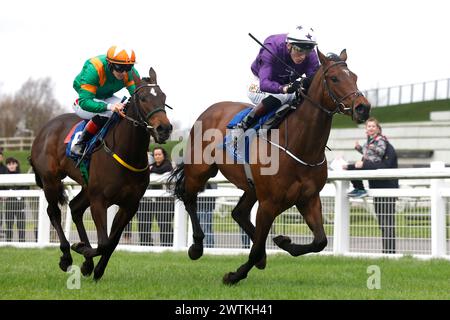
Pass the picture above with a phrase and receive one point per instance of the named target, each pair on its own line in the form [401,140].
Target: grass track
[34,274]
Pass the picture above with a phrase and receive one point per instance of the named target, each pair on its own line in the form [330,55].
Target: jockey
[274,84]
[100,78]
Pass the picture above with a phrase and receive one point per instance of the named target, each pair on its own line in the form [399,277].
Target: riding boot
[251,118]
[88,132]
[266,105]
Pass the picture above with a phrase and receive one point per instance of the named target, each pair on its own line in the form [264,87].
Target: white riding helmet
[302,37]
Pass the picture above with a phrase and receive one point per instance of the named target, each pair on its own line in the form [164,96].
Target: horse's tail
[175,182]
[62,197]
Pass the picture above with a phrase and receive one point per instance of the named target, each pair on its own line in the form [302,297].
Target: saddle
[275,120]
[240,151]
[239,147]
[270,121]
[91,145]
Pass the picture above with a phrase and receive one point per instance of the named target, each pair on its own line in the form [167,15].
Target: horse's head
[340,89]
[150,102]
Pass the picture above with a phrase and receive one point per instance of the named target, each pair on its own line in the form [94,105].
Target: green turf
[34,274]
[22,156]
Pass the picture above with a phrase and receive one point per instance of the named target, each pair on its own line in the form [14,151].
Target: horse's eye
[142,98]
[334,79]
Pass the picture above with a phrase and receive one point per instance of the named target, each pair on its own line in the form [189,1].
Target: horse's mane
[146,79]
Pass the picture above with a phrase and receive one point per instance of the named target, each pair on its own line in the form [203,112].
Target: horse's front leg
[241,214]
[99,215]
[312,213]
[196,249]
[264,220]
[122,218]
[78,206]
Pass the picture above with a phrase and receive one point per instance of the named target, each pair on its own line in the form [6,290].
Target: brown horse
[301,174]
[109,181]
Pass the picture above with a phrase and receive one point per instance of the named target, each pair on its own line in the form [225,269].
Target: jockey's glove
[293,86]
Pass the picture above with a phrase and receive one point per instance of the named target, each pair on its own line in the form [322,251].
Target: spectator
[14,206]
[3,168]
[378,153]
[127,232]
[245,239]
[205,210]
[162,208]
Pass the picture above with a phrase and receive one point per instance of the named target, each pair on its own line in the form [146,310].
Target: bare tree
[33,105]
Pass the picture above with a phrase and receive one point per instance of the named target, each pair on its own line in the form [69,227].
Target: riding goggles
[302,49]
[122,67]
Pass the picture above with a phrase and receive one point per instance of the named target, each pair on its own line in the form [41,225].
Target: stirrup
[242,125]
[78,149]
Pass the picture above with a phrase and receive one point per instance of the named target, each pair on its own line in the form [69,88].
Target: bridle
[142,119]
[339,104]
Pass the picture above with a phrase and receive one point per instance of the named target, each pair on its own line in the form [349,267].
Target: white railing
[16,143]
[409,93]
[421,226]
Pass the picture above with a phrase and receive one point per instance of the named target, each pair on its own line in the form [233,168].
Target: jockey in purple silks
[274,83]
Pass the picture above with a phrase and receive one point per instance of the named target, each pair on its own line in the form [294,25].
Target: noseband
[339,104]
[142,119]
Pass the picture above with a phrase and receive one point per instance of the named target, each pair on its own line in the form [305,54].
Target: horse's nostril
[360,109]
[363,109]
[164,128]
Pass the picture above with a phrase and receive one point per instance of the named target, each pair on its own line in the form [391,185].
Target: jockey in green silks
[100,78]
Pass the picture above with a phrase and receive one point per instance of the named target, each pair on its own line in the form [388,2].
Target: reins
[339,108]
[141,121]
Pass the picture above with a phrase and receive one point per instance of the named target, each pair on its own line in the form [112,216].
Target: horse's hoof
[65,263]
[261,265]
[282,241]
[98,274]
[78,247]
[195,251]
[230,278]
[87,267]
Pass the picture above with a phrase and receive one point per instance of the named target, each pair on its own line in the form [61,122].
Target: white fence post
[253,213]
[341,237]
[43,222]
[68,223]
[438,237]
[110,215]
[179,226]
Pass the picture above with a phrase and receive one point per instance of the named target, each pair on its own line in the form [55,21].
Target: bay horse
[301,174]
[109,182]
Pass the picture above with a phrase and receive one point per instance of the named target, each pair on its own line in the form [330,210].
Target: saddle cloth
[72,138]
[238,148]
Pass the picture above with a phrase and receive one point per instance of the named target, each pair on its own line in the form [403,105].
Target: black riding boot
[251,117]
[78,148]
[266,105]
